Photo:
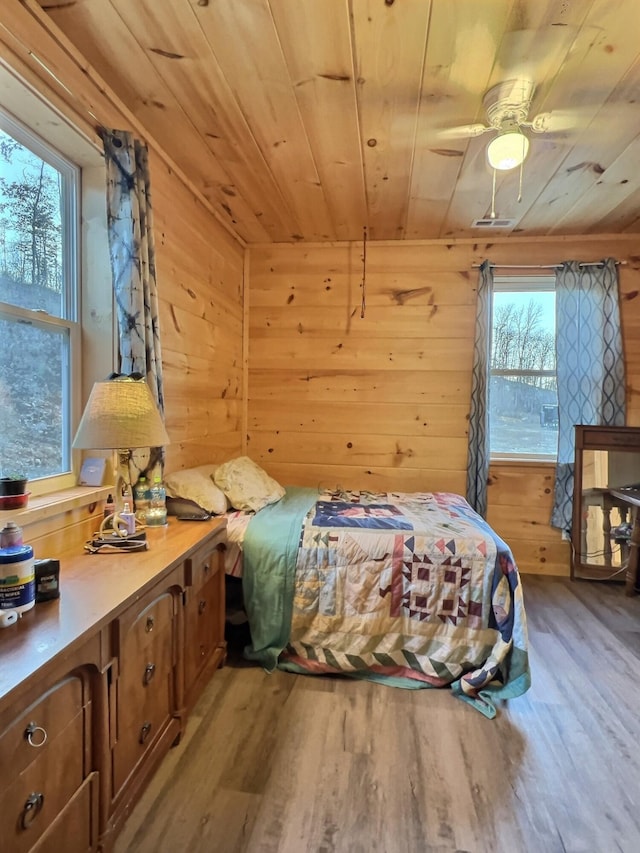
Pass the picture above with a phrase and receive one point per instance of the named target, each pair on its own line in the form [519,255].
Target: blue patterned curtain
[133,268]
[589,365]
[478,454]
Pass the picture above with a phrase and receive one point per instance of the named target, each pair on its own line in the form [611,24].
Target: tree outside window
[523,400]
[38,189]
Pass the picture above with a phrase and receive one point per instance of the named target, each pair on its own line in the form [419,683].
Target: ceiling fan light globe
[507,150]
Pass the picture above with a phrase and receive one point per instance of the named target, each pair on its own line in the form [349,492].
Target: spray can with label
[10,535]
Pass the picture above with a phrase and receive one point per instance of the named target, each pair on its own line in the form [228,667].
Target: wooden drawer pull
[144,732]
[150,624]
[31,809]
[206,567]
[149,672]
[35,735]
[202,605]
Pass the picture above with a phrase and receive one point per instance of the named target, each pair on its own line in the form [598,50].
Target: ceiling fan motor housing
[507,104]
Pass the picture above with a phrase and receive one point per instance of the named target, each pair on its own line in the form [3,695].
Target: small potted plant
[13,484]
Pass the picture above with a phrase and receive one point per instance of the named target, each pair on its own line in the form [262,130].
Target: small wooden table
[606,499]
[632,581]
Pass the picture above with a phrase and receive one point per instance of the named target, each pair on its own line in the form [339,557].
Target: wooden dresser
[96,685]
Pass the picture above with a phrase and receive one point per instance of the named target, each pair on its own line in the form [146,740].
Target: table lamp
[121,414]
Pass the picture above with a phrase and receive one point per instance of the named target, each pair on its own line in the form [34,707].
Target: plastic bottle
[127,494]
[128,517]
[157,512]
[109,506]
[142,498]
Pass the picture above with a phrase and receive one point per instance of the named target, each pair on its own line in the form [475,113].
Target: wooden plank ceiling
[307,120]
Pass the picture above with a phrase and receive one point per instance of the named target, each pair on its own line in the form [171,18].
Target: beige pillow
[246,485]
[196,484]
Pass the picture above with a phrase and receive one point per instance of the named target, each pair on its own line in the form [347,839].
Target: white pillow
[247,485]
[196,484]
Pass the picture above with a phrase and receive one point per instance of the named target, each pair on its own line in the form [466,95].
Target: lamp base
[124,491]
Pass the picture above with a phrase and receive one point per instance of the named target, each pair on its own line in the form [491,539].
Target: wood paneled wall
[382,401]
[199,264]
[200,283]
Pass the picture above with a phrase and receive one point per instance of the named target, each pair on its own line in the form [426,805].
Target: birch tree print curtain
[133,268]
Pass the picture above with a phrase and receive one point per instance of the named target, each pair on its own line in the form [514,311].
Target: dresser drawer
[36,732]
[75,830]
[44,787]
[204,627]
[137,629]
[202,566]
[145,689]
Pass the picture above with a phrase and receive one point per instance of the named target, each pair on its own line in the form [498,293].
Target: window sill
[521,461]
[41,507]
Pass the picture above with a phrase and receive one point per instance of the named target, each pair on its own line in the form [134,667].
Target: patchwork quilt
[415,590]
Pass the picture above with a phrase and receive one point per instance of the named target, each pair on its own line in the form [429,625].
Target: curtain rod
[542,266]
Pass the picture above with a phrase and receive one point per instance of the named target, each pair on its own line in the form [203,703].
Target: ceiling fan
[507,107]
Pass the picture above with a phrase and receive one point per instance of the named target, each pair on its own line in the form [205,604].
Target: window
[523,398]
[39,327]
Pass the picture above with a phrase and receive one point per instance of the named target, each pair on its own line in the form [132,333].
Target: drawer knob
[31,809]
[206,567]
[144,732]
[150,624]
[35,735]
[202,605]
[149,672]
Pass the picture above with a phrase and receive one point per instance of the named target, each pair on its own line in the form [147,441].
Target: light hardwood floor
[285,764]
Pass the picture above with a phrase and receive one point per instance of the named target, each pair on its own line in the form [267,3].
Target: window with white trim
[523,397]
[39,310]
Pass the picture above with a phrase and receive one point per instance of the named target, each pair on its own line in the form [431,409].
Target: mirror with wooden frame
[605,503]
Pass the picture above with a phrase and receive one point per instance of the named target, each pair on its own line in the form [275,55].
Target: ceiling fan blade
[560,121]
[533,53]
[550,122]
[463,131]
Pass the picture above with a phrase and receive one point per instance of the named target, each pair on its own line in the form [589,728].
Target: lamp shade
[507,150]
[120,413]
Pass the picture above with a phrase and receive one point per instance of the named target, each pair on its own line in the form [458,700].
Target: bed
[414,590]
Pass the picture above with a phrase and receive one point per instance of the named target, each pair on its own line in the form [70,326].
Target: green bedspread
[270,551]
